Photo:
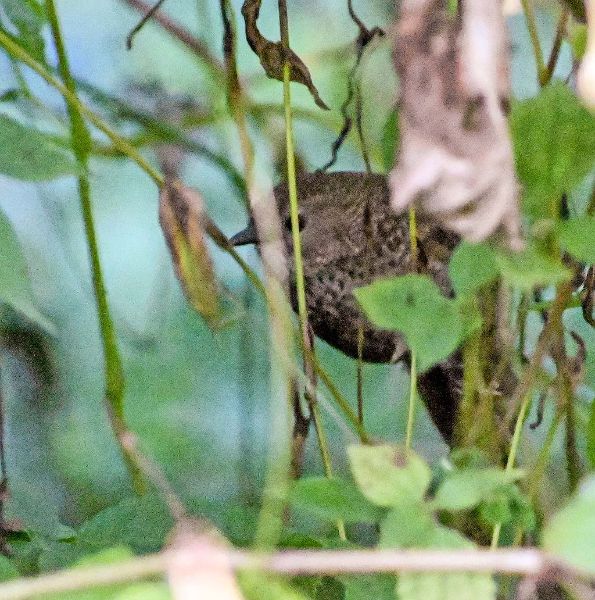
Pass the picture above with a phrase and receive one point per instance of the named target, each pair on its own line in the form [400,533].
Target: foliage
[195,396]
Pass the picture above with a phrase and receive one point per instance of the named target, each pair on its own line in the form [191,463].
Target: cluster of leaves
[395,493]
[435,326]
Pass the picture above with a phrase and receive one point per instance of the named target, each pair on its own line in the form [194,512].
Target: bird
[351,237]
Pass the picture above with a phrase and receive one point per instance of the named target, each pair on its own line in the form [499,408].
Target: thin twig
[18,52]
[156,476]
[278,475]
[563,294]
[413,369]
[141,23]
[199,48]
[547,74]
[365,36]
[524,562]
[359,126]
[534,35]
[236,100]
[114,373]
[514,447]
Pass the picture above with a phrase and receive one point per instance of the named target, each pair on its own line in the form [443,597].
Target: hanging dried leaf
[272,54]
[456,158]
[184,224]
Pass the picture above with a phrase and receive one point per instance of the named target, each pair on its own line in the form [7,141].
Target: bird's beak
[246,236]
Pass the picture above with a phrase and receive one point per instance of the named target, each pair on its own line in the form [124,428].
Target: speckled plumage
[351,237]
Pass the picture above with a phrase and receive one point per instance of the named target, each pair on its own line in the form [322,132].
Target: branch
[114,371]
[524,562]
[181,33]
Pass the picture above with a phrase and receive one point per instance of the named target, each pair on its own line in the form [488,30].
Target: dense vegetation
[129,421]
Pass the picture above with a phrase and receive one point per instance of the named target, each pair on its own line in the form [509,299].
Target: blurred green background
[197,399]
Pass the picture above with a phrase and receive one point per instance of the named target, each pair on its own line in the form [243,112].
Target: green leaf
[30,155]
[389,475]
[109,556]
[369,587]
[258,586]
[30,504]
[140,522]
[7,569]
[571,532]
[530,268]
[465,489]
[15,289]
[496,510]
[407,525]
[554,142]
[333,499]
[432,324]
[577,237]
[390,139]
[578,40]
[144,591]
[446,586]
[472,266]
[25,13]
[329,588]
[29,17]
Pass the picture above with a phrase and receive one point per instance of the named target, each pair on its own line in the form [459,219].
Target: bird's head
[332,208]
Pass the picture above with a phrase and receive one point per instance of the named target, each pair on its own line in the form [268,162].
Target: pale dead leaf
[455,160]
[184,224]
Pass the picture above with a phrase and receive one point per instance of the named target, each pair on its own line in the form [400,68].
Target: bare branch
[524,562]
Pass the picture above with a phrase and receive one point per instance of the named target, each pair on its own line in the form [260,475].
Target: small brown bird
[351,237]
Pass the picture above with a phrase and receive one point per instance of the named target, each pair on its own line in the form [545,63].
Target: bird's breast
[335,315]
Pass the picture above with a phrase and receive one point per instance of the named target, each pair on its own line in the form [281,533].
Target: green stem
[534,35]
[413,369]
[538,470]
[412,395]
[360,374]
[18,52]
[297,242]
[81,141]
[514,447]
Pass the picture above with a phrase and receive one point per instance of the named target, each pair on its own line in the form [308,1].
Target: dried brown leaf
[272,54]
[456,158]
[184,224]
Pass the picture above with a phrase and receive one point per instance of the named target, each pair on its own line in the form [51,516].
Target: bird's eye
[301,222]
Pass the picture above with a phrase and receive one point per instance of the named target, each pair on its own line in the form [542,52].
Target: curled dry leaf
[272,54]
[185,225]
[199,566]
[456,158]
